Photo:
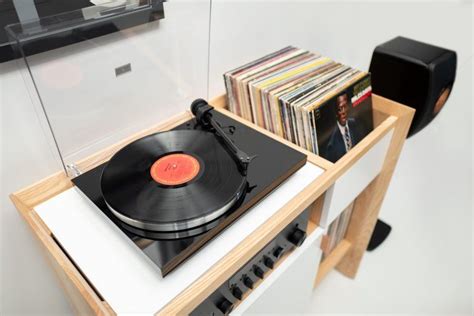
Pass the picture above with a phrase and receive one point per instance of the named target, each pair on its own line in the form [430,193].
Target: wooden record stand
[389,118]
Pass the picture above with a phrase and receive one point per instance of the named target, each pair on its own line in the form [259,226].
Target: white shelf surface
[121,273]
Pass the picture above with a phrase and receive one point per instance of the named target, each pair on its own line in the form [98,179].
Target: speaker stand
[381,232]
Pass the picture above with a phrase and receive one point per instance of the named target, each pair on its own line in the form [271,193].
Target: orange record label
[175,169]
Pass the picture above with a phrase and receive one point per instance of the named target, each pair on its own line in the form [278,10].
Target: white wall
[87,104]
[426,265]
[345,31]
[28,284]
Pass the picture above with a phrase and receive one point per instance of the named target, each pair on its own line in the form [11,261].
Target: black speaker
[416,74]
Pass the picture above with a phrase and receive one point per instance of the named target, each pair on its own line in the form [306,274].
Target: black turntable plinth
[169,218]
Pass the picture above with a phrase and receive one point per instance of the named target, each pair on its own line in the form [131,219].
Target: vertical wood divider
[369,202]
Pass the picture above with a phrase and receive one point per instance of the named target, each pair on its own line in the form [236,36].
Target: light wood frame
[346,257]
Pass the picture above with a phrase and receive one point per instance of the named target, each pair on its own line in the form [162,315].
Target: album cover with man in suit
[345,119]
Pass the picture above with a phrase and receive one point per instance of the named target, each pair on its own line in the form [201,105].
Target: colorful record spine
[305,98]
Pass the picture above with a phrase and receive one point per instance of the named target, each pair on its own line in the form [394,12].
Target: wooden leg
[81,296]
[363,220]
[369,202]
[77,302]
[315,214]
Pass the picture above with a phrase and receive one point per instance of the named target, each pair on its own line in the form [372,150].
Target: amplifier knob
[225,306]
[278,252]
[237,292]
[268,262]
[258,271]
[297,237]
[248,282]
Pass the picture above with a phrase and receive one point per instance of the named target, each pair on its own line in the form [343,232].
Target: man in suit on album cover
[346,134]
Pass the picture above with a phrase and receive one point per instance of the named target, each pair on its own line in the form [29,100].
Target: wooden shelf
[315,214]
[389,117]
[332,260]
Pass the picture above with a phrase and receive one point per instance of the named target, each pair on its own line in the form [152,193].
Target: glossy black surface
[128,175]
[9,15]
[415,74]
[275,162]
[62,23]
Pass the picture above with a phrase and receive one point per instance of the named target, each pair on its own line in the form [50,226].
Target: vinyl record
[179,234]
[172,181]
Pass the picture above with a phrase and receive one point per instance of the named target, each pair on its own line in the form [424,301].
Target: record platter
[171,192]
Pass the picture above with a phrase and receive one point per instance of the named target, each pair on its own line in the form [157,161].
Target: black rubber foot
[381,232]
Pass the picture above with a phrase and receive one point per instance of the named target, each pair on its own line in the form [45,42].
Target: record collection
[336,231]
[308,99]
[172,192]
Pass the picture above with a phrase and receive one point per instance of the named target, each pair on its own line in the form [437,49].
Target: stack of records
[308,99]
[336,231]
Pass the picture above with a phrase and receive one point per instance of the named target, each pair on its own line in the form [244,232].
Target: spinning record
[172,181]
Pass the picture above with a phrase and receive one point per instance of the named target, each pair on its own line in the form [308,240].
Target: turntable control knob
[278,252]
[248,282]
[297,237]
[258,272]
[225,306]
[237,292]
[268,262]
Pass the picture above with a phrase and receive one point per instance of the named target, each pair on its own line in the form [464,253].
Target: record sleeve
[344,119]
[291,96]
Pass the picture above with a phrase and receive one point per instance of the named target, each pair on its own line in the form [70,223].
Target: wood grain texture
[82,297]
[44,189]
[379,117]
[220,105]
[392,115]
[78,303]
[219,101]
[84,291]
[332,260]
[59,182]
[389,107]
[185,302]
[369,202]
[315,213]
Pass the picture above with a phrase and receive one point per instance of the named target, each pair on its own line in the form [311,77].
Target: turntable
[230,195]
[171,192]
